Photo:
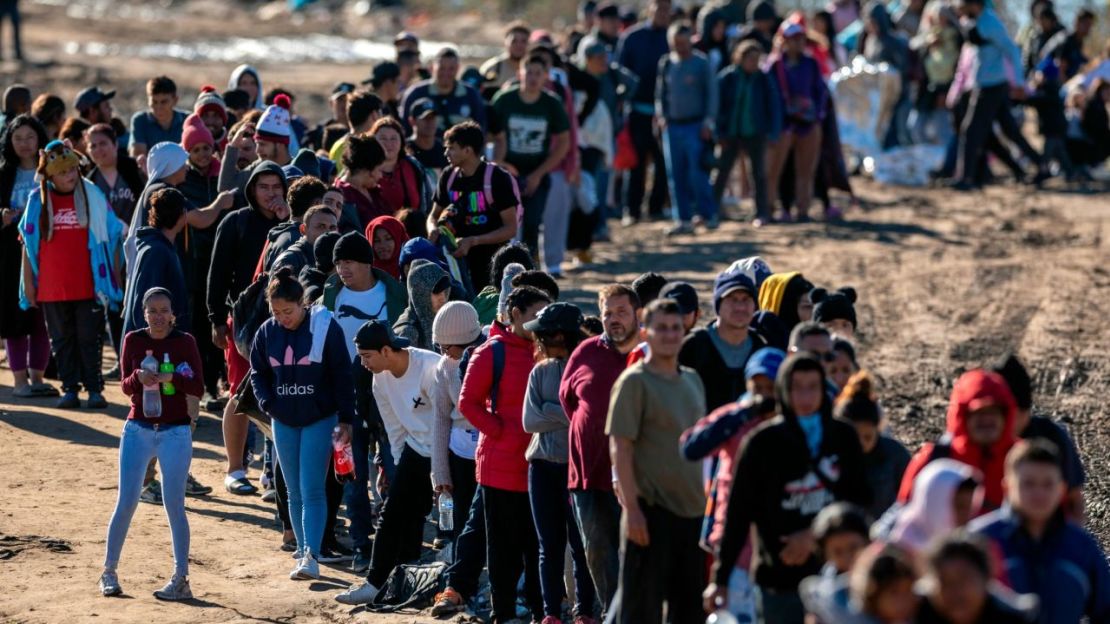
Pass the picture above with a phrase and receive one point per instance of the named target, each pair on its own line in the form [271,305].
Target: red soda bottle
[344,459]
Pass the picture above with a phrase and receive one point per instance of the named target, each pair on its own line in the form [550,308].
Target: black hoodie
[776,488]
[239,242]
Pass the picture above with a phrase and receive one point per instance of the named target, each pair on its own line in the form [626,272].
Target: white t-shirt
[406,403]
[354,308]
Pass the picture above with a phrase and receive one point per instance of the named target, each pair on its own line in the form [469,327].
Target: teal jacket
[105,244]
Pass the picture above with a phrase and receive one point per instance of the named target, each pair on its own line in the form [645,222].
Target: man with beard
[591,371]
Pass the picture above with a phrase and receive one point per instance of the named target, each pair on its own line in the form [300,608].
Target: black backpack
[248,314]
[410,587]
[498,349]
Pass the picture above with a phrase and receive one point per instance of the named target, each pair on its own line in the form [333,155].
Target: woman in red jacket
[492,399]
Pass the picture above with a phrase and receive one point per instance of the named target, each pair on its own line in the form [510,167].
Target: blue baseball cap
[766,361]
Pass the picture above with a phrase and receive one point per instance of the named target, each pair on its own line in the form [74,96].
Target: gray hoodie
[415,323]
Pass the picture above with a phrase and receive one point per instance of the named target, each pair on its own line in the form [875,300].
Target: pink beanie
[195,133]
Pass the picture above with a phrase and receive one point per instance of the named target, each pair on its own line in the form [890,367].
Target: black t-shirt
[430,158]
[467,206]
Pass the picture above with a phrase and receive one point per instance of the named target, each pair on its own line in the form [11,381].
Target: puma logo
[418,402]
[352,311]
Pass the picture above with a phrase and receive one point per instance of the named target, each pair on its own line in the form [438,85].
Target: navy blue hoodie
[156,264]
[292,389]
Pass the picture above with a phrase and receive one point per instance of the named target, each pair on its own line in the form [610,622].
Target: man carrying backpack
[476,200]
[355,294]
[240,238]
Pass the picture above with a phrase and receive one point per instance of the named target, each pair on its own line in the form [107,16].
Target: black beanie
[1021,386]
[322,251]
[836,305]
[353,246]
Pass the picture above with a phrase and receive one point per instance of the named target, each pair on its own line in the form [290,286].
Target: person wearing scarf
[71,268]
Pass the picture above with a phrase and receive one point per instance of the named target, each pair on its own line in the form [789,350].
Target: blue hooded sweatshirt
[156,264]
[293,384]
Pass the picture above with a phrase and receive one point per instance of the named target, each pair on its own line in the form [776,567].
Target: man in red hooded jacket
[502,468]
[979,432]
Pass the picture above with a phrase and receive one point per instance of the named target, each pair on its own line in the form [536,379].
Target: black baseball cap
[342,88]
[556,317]
[421,108]
[374,335]
[683,294]
[92,96]
[386,70]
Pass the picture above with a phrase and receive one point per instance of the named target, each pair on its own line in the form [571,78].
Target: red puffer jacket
[500,457]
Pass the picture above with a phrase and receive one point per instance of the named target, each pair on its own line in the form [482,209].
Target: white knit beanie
[456,324]
[274,124]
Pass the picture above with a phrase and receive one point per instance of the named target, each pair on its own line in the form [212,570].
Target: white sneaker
[307,568]
[177,589]
[360,594]
[109,584]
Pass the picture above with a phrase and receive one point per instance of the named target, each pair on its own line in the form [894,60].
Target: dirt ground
[946,282]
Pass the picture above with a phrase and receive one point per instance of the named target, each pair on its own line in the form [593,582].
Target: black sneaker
[334,553]
[361,561]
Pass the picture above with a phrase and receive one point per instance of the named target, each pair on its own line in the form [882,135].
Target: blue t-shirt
[22,188]
[146,131]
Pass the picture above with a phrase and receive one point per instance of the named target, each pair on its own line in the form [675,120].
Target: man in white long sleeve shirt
[404,387]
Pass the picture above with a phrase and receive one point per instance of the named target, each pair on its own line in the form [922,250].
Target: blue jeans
[686,178]
[304,453]
[173,446]
[555,526]
[599,518]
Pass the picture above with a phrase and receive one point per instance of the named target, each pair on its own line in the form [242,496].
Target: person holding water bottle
[301,375]
[157,426]
[405,390]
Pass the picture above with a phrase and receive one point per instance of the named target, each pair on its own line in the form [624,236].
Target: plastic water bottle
[446,511]
[152,399]
[167,367]
[344,459]
[721,616]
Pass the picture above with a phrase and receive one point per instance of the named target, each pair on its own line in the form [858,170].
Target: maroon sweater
[588,381]
[187,379]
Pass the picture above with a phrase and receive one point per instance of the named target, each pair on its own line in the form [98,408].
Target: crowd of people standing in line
[388,281]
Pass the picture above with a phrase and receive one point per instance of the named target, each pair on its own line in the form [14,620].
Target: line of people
[397,291]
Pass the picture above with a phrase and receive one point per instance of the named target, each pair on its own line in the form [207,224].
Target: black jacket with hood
[779,487]
[239,242]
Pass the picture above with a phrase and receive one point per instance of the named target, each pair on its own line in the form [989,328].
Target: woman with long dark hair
[24,331]
[558,332]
